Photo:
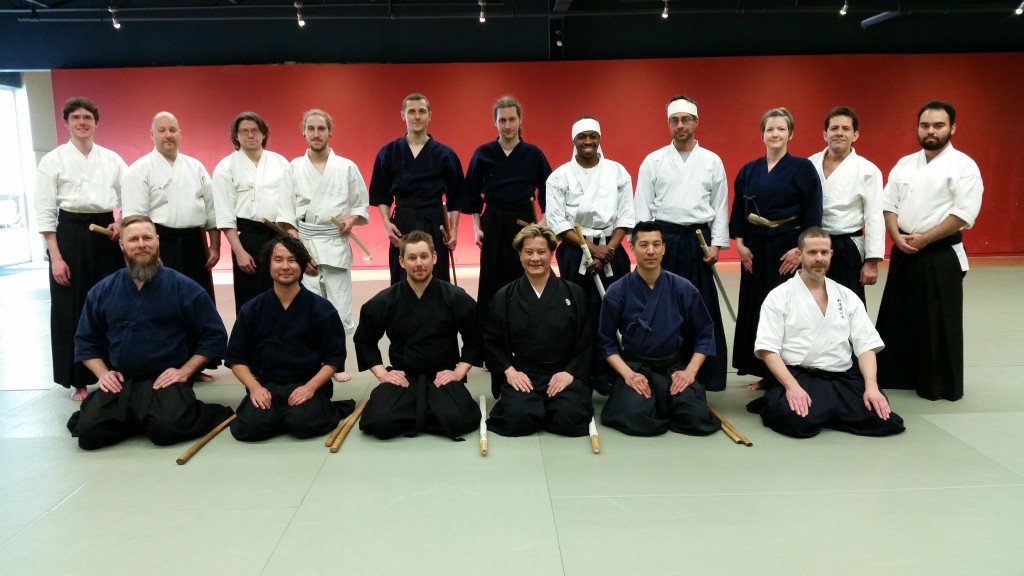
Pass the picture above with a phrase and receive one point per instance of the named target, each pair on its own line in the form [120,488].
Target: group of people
[652,338]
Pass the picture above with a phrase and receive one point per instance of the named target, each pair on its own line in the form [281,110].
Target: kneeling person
[809,330]
[539,343]
[666,334]
[135,335]
[424,389]
[286,345]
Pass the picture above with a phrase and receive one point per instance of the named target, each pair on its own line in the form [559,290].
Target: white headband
[585,125]
[682,105]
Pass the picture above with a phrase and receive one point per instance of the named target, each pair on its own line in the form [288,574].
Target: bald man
[174,191]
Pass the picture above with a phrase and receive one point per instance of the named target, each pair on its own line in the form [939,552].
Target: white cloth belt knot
[308,231]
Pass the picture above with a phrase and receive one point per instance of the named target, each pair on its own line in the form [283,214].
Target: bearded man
[136,336]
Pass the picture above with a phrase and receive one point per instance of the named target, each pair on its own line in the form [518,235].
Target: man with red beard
[134,336]
[809,331]
[424,387]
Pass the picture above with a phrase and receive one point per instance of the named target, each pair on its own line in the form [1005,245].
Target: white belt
[308,231]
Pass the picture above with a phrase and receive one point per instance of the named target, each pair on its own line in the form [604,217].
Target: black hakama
[253,236]
[424,340]
[540,337]
[507,185]
[837,403]
[569,256]
[90,256]
[285,348]
[790,191]
[184,250]
[920,319]
[684,257]
[167,416]
[846,263]
[417,185]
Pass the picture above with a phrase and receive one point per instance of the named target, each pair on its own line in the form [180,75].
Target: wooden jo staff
[718,279]
[729,429]
[346,427]
[594,442]
[483,425]
[588,258]
[101,230]
[273,226]
[202,441]
[446,231]
[334,220]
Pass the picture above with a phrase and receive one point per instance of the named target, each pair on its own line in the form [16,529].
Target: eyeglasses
[684,120]
[249,131]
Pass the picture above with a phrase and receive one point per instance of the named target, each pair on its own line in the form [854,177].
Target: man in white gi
[683,188]
[326,186]
[852,202]
[78,185]
[810,329]
[248,185]
[596,193]
[930,197]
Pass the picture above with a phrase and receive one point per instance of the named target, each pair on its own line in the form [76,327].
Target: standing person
[174,191]
[416,172]
[683,188]
[777,195]
[423,389]
[248,187]
[78,184]
[538,340]
[145,332]
[596,193]
[851,203]
[506,175]
[326,186]
[666,335]
[284,348]
[931,196]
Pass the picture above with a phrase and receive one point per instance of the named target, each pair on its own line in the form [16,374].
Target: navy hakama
[837,403]
[417,185]
[789,193]
[846,263]
[253,236]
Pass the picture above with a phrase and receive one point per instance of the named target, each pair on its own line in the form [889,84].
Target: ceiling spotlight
[298,15]
[844,9]
[113,18]
[483,17]
[664,13]
[1020,9]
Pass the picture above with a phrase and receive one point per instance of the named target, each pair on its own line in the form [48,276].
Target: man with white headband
[683,188]
[595,193]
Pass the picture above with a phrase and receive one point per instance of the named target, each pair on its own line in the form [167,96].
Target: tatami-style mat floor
[944,498]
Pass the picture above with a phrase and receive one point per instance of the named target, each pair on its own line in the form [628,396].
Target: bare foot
[342,377]
[484,368]
[756,385]
[79,394]
[204,377]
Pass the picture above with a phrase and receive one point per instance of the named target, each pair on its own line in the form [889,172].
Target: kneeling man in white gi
[809,331]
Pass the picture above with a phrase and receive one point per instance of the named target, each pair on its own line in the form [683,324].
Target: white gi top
[340,191]
[176,195]
[599,199]
[691,192]
[852,200]
[70,181]
[242,189]
[792,326]
[923,193]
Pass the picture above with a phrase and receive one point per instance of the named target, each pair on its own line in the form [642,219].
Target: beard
[938,144]
[143,267]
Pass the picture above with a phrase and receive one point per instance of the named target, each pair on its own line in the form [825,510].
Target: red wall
[626,96]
